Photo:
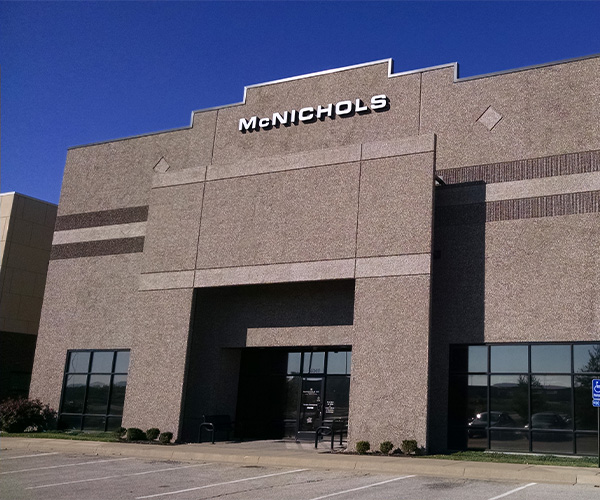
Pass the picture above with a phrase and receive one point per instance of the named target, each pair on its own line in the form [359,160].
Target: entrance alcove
[250,383]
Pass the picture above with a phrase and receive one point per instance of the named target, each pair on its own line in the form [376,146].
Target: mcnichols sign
[309,115]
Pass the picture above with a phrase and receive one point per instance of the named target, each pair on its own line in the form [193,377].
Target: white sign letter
[281,120]
[378,102]
[264,123]
[248,124]
[360,107]
[327,111]
[343,108]
[306,114]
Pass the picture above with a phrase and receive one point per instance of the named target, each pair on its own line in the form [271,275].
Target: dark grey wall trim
[518,170]
[524,208]
[544,206]
[97,248]
[102,218]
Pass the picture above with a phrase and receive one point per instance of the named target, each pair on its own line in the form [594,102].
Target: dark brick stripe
[525,208]
[544,206]
[102,218]
[518,170]
[97,248]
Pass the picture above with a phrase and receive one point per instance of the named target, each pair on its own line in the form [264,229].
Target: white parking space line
[512,491]
[362,488]
[29,456]
[220,484]
[115,476]
[64,465]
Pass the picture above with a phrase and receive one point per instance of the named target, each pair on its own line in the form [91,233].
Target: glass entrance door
[311,404]
[307,389]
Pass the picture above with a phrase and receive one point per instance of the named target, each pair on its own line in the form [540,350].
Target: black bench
[215,423]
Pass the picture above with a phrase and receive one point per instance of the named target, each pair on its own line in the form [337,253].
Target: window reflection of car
[548,420]
[479,424]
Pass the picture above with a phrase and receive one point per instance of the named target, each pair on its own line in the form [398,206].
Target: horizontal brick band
[102,218]
[523,208]
[544,206]
[97,248]
[518,170]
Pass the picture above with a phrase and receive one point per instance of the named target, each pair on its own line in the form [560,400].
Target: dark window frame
[573,431]
[106,416]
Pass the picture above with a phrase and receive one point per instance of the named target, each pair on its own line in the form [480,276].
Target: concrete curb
[313,460]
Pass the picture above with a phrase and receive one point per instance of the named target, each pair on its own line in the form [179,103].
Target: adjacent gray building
[412,254]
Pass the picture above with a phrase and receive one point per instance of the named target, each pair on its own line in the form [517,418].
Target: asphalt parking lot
[54,475]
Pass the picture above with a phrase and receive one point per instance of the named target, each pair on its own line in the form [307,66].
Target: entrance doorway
[300,391]
[311,404]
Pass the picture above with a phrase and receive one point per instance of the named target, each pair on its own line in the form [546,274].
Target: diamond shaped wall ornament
[490,118]
[162,166]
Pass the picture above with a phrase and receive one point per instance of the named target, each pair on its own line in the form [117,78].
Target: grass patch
[108,437]
[480,456]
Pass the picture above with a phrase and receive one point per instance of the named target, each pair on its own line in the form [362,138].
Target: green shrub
[165,437]
[362,447]
[409,446]
[135,434]
[386,447]
[16,415]
[152,434]
[120,432]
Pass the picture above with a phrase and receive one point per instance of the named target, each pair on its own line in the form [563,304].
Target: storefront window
[533,398]
[551,402]
[74,393]
[117,394]
[293,363]
[79,362]
[338,363]
[94,390]
[509,440]
[337,397]
[552,442]
[509,400]
[586,416]
[586,358]
[314,362]
[478,358]
[102,362]
[509,359]
[551,359]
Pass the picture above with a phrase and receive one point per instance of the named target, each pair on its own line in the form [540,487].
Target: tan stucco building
[355,244]
[26,228]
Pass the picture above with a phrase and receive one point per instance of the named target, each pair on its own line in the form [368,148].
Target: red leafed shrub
[16,415]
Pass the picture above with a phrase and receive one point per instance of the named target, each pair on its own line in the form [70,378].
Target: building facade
[26,229]
[413,253]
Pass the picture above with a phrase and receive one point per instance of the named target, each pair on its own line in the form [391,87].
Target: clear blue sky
[80,72]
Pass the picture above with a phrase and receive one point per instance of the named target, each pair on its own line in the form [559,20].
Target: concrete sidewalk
[291,454]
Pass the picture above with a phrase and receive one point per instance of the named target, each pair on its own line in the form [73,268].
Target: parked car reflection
[479,424]
[548,420]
